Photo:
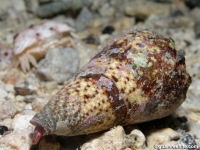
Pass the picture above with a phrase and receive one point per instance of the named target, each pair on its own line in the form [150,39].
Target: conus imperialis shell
[136,78]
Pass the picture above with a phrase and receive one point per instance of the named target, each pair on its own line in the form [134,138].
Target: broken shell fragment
[136,78]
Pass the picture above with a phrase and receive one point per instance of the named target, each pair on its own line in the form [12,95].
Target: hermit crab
[31,44]
[137,77]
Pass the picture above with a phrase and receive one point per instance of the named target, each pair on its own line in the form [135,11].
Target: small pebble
[160,137]
[7,122]
[194,13]
[107,10]
[28,112]
[142,9]
[3,93]
[31,5]
[3,129]
[83,19]
[59,64]
[28,107]
[23,91]
[104,38]
[7,110]
[51,9]
[21,122]
[108,30]
[9,88]
[19,98]
[189,141]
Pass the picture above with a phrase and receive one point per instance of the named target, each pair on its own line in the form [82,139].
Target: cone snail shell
[136,78]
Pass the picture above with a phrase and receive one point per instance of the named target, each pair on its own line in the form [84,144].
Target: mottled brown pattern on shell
[112,97]
[91,104]
[146,80]
[174,85]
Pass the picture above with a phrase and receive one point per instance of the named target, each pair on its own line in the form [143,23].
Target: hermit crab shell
[136,78]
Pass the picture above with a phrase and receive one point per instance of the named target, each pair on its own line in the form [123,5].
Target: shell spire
[136,78]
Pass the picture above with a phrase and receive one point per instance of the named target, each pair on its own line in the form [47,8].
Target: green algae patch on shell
[136,78]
